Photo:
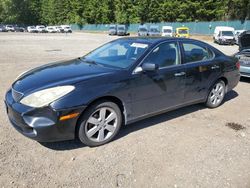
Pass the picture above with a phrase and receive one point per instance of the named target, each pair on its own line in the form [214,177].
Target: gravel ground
[189,147]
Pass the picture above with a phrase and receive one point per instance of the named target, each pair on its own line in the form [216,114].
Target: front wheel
[216,95]
[100,123]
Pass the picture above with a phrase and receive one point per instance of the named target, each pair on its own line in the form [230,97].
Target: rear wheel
[216,94]
[100,123]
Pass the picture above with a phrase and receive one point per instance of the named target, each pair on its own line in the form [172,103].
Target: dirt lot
[190,147]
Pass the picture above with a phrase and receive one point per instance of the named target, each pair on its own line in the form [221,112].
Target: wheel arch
[113,99]
[224,79]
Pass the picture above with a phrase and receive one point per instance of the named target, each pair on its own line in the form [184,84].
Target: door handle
[215,67]
[179,74]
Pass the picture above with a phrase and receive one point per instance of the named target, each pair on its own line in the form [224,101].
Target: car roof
[156,40]
[182,28]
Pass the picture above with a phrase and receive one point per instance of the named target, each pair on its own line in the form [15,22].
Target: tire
[216,94]
[94,128]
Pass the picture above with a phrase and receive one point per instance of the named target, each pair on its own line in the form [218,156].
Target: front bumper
[41,124]
[228,41]
[120,33]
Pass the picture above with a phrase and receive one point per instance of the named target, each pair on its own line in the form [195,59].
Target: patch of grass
[235,126]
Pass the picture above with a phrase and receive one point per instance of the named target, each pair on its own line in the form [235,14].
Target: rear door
[201,70]
[158,90]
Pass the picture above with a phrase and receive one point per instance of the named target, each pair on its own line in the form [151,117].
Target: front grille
[16,95]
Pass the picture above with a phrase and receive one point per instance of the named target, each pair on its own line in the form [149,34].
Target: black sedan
[121,82]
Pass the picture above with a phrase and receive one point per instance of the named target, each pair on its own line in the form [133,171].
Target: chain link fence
[200,28]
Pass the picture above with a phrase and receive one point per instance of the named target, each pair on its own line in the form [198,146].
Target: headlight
[46,96]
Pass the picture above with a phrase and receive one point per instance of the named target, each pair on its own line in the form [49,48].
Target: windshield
[167,31]
[227,33]
[120,28]
[154,30]
[32,27]
[41,27]
[112,27]
[183,31]
[117,54]
[67,27]
[143,29]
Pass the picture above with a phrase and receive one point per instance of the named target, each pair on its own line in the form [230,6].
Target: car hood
[244,40]
[60,73]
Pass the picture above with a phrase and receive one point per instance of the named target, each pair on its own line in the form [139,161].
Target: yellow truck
[182,32]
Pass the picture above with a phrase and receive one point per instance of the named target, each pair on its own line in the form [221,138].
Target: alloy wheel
[101,124]
[217,94]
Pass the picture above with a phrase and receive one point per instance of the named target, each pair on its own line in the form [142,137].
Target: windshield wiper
[87,61]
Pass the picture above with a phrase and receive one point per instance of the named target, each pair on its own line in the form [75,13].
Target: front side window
[195,52]
[164,55]
[118,54]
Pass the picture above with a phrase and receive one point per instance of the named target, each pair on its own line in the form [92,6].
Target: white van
[224,35]
[167,31]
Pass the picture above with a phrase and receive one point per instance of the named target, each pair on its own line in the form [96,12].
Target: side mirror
[150,67]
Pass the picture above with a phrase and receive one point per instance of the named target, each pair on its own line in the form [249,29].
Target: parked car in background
[59,29]
[182,32]
[122,30]
[244,53]
[224,35]
[121,82]
[143,30]
[19,29]
[10,28]
[237,34]
[154,31]
[167,31]
[51,29]
[3,29]
[32,29]
[41,29]
[66,28]
[112,30]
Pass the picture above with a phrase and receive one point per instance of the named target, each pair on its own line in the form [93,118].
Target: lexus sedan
[121,82]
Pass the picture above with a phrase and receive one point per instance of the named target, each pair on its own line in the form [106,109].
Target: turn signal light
[69,116]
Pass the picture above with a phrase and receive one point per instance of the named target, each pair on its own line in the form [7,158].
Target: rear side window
[195,52]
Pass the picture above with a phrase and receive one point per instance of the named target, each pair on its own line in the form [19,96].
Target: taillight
[238,65]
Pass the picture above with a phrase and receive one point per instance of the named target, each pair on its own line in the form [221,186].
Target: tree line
[120,11]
